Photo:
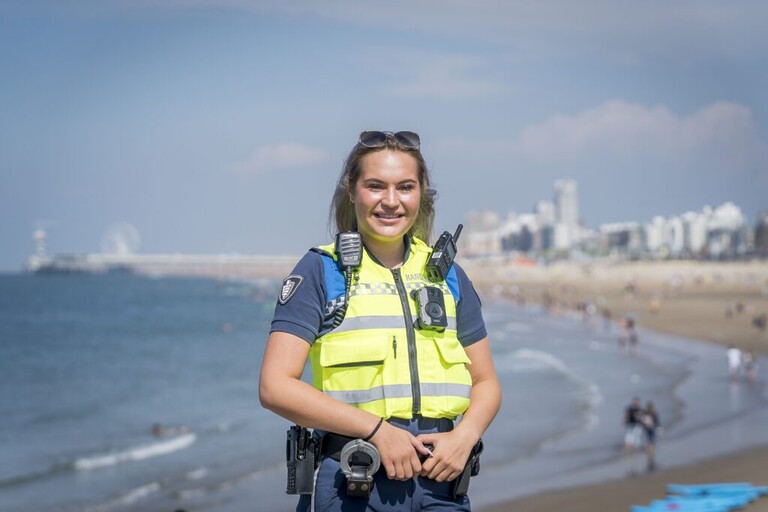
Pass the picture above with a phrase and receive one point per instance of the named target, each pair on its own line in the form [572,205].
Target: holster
[301,458]
[460,484]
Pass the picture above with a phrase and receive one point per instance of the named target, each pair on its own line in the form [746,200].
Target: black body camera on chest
[431,309]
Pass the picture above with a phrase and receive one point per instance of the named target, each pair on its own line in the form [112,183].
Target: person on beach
[734,362]
[633,432]
[379,375]
[750,365]
[649,419]
[628,337]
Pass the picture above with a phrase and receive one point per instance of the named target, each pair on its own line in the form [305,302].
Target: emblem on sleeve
[288,290]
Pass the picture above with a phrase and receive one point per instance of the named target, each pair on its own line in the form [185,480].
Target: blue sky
[221,127]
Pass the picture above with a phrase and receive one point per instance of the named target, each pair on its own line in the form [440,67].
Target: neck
[389,254]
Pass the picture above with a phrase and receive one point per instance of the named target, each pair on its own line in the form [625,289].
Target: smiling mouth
[387,216]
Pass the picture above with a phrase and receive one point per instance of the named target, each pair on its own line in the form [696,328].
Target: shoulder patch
[288,290]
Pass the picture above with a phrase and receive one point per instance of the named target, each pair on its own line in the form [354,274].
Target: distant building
[553,230]
[761,235]
[566,214]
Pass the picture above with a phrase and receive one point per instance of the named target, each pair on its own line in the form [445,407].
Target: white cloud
[281,156]
[618,129]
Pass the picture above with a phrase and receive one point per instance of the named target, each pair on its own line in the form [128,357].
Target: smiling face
[386,197]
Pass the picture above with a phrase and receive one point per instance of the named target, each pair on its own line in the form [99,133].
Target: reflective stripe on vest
[378,362]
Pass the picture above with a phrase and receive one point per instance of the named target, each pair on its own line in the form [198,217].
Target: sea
[91,364]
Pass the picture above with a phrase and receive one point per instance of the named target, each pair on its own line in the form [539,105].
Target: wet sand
[716,302]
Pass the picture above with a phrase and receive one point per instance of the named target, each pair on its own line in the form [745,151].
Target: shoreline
[703,303]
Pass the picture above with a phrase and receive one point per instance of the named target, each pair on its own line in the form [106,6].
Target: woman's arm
[452,448]
[486,392]
[282,391]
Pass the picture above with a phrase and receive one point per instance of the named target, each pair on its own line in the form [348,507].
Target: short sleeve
[301,299]
[470,325]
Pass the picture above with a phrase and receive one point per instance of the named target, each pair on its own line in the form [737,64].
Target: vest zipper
[394,345]
[411,337]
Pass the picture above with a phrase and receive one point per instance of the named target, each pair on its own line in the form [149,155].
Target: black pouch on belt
[301,460]
[460,484]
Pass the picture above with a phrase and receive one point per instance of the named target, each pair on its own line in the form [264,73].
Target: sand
[718,302]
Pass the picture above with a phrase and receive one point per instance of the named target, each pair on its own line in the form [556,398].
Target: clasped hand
[399,451]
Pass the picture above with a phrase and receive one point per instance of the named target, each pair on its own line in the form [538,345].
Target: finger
[402,471]
[416,466]
[423,439]
[389,467]
[444,475]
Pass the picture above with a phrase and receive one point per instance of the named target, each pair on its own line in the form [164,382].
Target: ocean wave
[528,360]
[134,454]
[128,498]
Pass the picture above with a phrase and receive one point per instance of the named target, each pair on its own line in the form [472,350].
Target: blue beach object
[716,497]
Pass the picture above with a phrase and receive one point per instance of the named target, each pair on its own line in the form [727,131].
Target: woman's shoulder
[310,262]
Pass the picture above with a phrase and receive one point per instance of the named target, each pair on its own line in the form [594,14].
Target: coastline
[699,303]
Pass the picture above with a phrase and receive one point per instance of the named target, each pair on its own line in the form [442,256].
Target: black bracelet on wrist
[375,429]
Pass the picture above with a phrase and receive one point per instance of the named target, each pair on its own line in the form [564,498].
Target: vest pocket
[446,392]
[353,369]
[351,350]
[451,351]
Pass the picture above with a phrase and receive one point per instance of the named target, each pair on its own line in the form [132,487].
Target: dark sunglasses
[376,139]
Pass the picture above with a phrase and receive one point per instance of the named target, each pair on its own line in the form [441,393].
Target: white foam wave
[197,474]
[128,498]
[137,453]
[529,360]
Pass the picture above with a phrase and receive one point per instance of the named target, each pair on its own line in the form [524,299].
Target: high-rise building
[566,213]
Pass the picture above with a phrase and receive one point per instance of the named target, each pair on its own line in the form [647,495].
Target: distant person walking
[633,431]
[734,362]
[651,426]
[749,361]
[628,336]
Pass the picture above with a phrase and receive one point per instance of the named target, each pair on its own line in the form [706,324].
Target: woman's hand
[450,453]
[399,451]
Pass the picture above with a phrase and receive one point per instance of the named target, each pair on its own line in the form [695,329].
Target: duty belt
[331,444]
[359,461]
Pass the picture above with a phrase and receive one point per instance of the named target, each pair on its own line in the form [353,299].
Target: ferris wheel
[120,238]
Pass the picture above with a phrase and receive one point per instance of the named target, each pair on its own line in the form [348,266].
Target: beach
[186,353]
[710,302]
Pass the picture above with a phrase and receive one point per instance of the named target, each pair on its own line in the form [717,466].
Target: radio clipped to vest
[443,254]
[349,251]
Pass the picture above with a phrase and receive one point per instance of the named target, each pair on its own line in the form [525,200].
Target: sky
[222,126]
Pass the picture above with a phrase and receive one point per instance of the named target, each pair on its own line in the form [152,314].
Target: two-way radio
[443,254]
[349,251]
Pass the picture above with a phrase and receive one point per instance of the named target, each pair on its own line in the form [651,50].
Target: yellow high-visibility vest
[379,361]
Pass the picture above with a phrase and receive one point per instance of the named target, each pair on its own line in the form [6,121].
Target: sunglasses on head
[376,139]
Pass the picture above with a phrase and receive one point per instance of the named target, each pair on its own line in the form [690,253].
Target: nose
[390,198]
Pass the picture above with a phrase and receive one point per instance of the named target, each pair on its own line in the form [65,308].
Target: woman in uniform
[381,371]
